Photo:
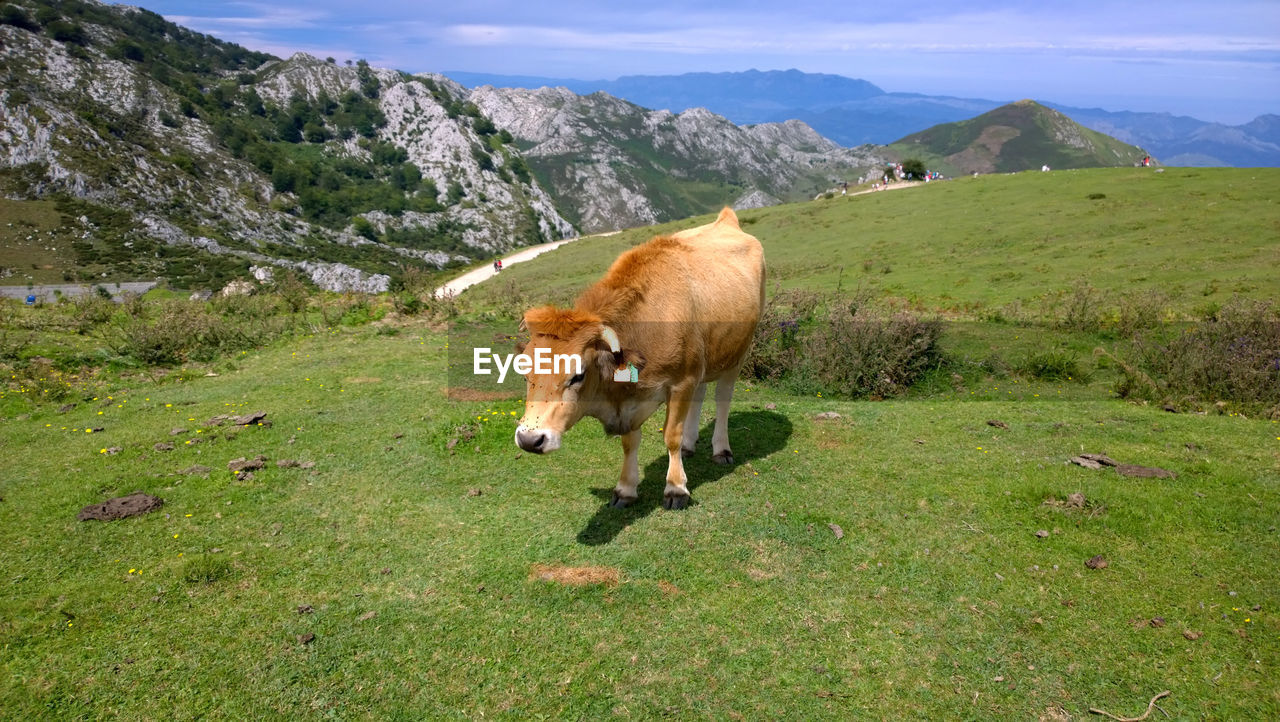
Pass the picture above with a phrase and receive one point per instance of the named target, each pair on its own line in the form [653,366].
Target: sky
[1217,61]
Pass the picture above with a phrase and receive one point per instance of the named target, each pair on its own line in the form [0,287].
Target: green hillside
[1015,137]
[973,246]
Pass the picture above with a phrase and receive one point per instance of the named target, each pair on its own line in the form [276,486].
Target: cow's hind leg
[720,452]
[676,494]
[625,492]
[689,441]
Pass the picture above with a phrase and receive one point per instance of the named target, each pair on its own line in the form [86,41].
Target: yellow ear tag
[628,375]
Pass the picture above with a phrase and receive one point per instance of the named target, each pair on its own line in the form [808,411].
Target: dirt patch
[362,380]
[574,576]
[121,507]
[465,394]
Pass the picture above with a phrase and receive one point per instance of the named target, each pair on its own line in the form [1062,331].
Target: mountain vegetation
[1020,136]
[172,153]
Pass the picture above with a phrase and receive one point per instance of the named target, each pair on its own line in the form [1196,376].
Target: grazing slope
[971,245]
[1015,137]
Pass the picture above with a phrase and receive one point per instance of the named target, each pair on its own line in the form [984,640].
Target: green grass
[415,548]
[745,604]
[973,245]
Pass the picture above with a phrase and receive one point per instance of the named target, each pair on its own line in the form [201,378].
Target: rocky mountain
[854,112]
[610,163]
[173,154]
[1020,136]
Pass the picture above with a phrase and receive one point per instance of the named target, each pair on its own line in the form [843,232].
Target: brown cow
[673,314]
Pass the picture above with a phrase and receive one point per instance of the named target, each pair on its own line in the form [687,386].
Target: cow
[670,316]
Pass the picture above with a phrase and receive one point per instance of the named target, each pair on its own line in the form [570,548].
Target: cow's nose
[530,441]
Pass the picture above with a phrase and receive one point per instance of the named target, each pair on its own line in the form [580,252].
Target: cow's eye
[577,379]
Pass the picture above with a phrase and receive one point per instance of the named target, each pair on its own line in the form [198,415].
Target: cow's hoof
[621,502]
[686,452]
[724,457]
[675,501]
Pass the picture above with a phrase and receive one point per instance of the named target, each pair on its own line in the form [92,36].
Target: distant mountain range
[853,112]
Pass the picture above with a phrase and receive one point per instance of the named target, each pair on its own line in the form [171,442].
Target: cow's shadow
[752,435]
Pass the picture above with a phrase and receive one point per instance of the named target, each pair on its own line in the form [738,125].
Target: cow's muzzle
[537,441]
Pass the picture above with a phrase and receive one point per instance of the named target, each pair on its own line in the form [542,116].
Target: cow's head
[555,401]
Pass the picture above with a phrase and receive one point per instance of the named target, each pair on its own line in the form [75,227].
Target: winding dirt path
[484,273]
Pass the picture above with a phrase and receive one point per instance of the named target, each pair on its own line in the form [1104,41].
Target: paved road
[483,273]
[45,292]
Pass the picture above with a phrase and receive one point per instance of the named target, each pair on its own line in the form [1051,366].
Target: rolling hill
[1020,136]
[974,246]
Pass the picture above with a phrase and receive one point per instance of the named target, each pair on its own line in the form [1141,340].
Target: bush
[181,331]
[91,310]
[1233,356]
[841,344]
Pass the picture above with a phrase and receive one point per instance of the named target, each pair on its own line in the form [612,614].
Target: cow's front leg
[676,494]
[625,492]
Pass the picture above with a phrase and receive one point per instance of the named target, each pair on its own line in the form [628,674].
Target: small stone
[1192,635]
[1157,622]
[827,416]
[305,609]
[307,638]
[1042,533]
[176,432]
[163,446]
[835,529]
[1097,562]
[474,492]
[997,423]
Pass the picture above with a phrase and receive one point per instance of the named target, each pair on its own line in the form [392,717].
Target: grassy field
[420,540]
[974,245]
[921,557]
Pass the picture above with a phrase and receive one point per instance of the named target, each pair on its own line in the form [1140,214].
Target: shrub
[91,310]
[863,352]
[841,344]
[1082,309]
[1233,356]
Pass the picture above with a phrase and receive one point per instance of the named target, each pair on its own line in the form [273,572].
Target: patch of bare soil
[574,576]
[121,507]
[465,394]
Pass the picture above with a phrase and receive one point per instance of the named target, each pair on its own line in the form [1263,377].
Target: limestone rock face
[79,122]
[611,164]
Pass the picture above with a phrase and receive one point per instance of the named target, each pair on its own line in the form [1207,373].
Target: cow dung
[121,507]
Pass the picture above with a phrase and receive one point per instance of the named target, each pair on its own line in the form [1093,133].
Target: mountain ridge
[883,117]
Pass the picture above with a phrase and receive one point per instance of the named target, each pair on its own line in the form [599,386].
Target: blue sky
[1212,60]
